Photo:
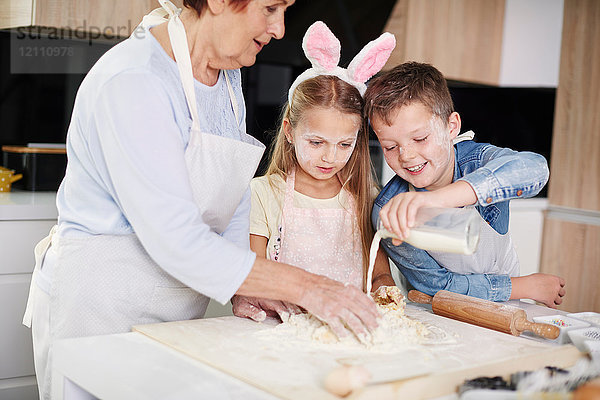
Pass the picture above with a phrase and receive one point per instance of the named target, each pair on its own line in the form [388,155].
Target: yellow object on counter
[7,177]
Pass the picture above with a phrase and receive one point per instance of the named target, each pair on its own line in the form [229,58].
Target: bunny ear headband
[322,49]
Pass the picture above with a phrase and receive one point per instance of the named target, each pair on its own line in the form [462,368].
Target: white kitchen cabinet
[15,342]
[25,218]
[526,227]
[18,238]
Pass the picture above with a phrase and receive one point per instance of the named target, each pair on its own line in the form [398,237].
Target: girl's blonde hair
[325,91]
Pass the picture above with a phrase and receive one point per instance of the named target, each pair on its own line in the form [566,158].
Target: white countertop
[26,205]
[133,366]
[533,204]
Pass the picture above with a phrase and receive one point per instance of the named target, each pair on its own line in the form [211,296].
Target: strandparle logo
[83,32]
[43,49]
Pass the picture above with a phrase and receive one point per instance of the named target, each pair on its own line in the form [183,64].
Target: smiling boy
[411,112]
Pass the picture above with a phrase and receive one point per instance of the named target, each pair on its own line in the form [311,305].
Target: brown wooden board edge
[446,382]
[36,150]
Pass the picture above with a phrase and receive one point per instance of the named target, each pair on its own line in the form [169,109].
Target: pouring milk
[452,230]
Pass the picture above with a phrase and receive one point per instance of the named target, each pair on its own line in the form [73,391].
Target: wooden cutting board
[292,369]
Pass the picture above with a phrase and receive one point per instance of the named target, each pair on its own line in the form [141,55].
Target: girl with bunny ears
[312,208]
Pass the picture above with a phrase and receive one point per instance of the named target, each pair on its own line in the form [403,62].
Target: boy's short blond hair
[405,84]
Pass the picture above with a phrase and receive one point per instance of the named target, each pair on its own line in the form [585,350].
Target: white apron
[495,253]
[322,241]
[104,284]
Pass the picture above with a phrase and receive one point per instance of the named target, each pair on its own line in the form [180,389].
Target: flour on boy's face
[417,146]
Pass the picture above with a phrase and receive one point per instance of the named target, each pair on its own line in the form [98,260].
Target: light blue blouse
[126,171]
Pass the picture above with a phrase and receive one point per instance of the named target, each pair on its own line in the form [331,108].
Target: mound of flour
[394,330]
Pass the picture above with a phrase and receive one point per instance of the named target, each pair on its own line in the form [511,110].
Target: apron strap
[181,51]
[290,182]
[178,38]
[155,17]
[40,252]
[234,103]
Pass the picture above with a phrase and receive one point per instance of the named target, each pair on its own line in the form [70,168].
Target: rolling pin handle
[547,331]
[419,297]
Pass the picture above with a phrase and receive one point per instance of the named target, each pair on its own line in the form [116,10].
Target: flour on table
[395,329]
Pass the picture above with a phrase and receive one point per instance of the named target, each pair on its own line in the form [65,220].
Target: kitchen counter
[25,218]
[131,365]
[26,205]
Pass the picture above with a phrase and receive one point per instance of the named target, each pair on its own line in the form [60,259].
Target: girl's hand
[389,294]
[258,309]
[382,280]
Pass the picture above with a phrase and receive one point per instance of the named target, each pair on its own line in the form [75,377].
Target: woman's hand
[343,307]
[259,309]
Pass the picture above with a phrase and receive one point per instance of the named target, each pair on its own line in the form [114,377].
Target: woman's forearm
[339,305]
[276,281]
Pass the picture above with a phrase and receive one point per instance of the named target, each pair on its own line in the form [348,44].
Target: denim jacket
[497,175]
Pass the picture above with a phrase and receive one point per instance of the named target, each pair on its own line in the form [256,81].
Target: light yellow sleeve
[266,203]
[258,213]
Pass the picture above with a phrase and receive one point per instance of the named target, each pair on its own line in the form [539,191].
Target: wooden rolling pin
[487,314]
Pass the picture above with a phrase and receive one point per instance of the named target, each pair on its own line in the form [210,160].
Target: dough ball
[343,380]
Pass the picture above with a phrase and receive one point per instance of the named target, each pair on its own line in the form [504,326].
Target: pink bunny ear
[321,46]
[372,58]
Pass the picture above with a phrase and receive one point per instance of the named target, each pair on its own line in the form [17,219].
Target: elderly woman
[154,207]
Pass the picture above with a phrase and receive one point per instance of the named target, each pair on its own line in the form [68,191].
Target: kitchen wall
[36,95]
[37,89]
[572,224]
[37,92]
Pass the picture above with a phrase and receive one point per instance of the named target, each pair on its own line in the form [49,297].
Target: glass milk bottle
[452,230]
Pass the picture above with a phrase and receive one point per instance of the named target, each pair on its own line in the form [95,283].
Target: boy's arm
[427,276]
[506,174]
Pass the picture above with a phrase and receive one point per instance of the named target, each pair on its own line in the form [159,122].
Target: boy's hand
[399,214]
[544,288]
